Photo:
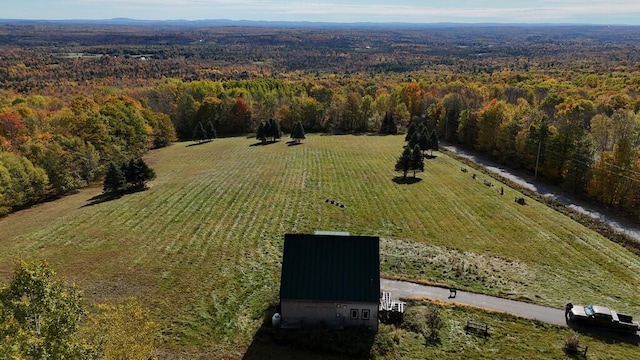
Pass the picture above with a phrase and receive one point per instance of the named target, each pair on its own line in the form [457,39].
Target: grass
[509,338]
[202,246]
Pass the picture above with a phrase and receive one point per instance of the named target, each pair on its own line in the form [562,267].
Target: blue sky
[426,11]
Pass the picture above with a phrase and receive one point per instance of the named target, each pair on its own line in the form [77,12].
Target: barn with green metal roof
[330,280]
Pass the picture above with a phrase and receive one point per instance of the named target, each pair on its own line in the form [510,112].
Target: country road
[405,290]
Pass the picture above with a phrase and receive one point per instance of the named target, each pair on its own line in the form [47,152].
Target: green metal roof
[331,268]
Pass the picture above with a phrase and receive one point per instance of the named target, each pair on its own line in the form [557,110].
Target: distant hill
[252,23]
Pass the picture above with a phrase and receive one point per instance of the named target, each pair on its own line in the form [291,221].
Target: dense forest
[562,102]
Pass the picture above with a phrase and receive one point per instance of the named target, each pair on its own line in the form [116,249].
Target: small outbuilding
[330,280]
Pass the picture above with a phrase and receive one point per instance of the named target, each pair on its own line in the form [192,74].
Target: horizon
[576,12]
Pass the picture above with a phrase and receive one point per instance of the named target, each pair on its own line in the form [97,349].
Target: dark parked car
[600,316]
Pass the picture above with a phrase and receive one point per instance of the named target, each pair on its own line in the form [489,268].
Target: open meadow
[202,247]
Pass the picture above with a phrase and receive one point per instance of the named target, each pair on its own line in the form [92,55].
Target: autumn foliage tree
[40,316]
[123,330]
[21,183]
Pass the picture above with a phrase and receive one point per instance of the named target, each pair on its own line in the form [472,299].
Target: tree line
[580,133]
[49,148]
[574,134]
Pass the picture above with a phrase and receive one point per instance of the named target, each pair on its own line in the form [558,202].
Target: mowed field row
[202,247]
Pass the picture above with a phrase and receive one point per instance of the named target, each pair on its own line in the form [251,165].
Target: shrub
[571,343]
[384,344]
[424,320]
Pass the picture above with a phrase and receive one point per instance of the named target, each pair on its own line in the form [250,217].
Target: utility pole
[538,159]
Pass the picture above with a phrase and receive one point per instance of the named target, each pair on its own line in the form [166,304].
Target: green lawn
[509,338]
[203,246]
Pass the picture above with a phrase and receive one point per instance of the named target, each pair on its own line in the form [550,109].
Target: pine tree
[131,170]
[404,162]
[210,131]
[388,126]
[417,160]
[261,133]
[200,134]
[297,133]
[432,142]
[114,179]
[418,136]
[143,173]
[273,130]
[411,131]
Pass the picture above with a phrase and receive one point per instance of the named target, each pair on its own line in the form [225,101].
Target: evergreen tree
[432,142]
[131,172]
[411,130]
[417,160]
[388,126]
[141,173]
[200,134]
[420,137]
[273,130]
[297,133]
[114,179]
[261,133]
[210,131]
[404,162]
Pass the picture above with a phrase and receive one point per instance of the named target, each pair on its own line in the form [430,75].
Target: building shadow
[270,342]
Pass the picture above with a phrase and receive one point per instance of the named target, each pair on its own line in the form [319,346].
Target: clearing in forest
[202,247]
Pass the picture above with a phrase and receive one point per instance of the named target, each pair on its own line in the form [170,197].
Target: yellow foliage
[123,331]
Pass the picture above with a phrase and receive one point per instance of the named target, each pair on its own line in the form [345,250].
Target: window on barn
[354,313]
[365,314]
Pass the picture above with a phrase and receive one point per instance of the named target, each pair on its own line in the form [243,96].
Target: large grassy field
[202,247]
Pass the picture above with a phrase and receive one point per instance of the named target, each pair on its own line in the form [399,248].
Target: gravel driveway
[405,290]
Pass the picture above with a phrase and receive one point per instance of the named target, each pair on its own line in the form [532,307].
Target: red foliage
[11,125]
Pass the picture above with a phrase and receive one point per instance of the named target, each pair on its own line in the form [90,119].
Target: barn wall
[298,313]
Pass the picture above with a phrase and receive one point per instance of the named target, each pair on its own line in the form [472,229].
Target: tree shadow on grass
[275,343]
[264,143]
[102,198]
[293,143]
[199,143]
[106,197]
[406,180]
